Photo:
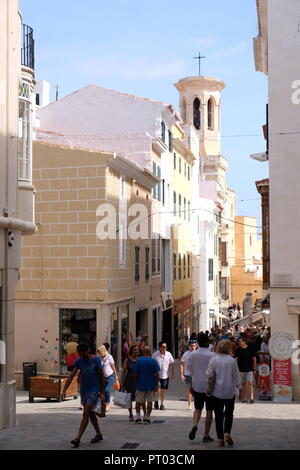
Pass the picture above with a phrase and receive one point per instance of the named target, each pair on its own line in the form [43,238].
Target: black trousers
[223,410]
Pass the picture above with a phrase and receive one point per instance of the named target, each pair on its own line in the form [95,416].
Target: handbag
[122,399]
[211,380]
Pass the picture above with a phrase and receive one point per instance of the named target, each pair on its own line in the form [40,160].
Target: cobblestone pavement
[46,425]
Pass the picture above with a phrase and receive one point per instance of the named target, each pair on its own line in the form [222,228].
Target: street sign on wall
[264,383]
[282,381]
[280,347]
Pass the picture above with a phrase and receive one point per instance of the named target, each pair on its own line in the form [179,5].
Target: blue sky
[144,47]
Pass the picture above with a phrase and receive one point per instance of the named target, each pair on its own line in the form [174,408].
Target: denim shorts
[89,397]
[188,381]
[246,377]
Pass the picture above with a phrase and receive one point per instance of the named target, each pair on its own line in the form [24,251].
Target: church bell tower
[200,109]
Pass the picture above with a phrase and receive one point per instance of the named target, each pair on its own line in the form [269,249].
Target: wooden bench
[51,386]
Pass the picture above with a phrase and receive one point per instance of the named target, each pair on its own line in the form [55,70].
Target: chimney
[42,91]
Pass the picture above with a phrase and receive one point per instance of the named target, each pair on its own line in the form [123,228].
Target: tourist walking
[128,378]
[246,359]
[223,374]
[71,352]
[264,351]
[183,345]
[146,369]
[110,374]
[184,371]
[142,343]
[236,333]
[198,363]
[166,365]
[92,384]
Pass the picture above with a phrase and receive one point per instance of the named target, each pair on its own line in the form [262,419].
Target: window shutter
[158,184]
[137,263]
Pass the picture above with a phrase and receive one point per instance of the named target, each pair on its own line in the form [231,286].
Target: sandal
[228,440]
[97,438]
[131,419]
[75,443]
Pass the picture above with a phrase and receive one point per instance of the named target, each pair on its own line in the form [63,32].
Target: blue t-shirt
[146,368]
[89,377]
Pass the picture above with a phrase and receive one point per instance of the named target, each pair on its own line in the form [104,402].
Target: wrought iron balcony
[27,51]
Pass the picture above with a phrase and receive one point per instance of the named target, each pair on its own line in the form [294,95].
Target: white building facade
[16,190]
[200,109]
[276,51]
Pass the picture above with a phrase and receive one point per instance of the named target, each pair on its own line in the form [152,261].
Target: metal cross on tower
[199,57]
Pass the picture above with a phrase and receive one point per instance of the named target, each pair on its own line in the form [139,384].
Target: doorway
[142,322]
[79,321]
[176,336]
[154,329]
[119,338]
[167,329]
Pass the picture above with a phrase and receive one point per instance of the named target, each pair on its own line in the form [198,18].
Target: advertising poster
[264,383]
[282,380]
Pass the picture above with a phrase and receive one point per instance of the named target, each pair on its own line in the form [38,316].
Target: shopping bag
[122,399]
[97,407]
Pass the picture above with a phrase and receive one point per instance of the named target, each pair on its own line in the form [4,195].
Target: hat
[192,341]
[74,337]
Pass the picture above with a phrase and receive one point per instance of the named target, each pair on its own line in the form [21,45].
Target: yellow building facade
[246,274]
[181,189]
[89,263]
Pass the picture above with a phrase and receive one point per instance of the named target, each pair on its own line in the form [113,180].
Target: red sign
[264,381]
[282,380]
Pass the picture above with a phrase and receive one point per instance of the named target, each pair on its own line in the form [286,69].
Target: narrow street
[51,426]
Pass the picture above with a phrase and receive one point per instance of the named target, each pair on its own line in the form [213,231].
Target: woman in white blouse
[224,369]
[110,373]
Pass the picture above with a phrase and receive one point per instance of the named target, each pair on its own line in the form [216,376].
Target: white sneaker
[189,408]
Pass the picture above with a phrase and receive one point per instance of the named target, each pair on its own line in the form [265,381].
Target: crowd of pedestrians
[216,366]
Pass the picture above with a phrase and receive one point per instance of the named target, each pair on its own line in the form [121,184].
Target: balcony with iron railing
[27,50]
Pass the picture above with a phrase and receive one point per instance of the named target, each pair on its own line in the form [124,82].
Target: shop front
[119,333]
[79,321]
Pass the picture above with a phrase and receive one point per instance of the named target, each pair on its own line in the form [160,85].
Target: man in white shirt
[236,333]
[166,364]
[198,364]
